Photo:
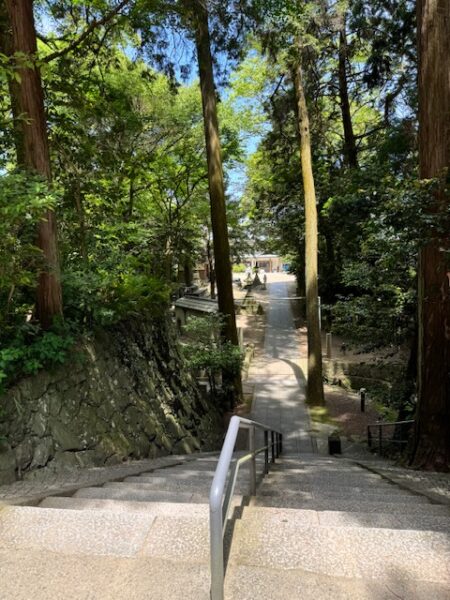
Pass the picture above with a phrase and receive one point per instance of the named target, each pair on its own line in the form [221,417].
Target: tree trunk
[314,394]
[350,150]
[6,47]
[432,436]
[187,269]
[36,155]
[215,180]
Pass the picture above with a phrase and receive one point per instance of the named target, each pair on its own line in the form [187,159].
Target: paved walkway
[279,380]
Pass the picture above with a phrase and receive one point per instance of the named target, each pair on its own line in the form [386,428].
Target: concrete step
[268,487]
[155,509]
[188,476]
[345,478]
[140,495]
[178,481]
[169,479]
[181,539]
[346,504]
[194,487]
[190,466]
[416,522]
[338,496]
[323,472]
[320,461]
[367,553]
[326,463]
[181,473]
[44,575]
[250,582]
[183,482]
[315,469]
[68,532]
[198,468]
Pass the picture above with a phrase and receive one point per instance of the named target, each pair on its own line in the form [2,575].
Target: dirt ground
[344,409]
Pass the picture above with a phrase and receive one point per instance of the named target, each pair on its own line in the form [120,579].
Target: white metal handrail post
[216,517]
[218,507]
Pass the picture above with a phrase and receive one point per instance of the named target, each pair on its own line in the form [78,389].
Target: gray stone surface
[52,576]
[157,509]
[417,522]
[287,546]
[353,504]
[334,479]
[248,583]
[435,486]
[124,493]
[321,475]
[67,532]
[125,393]
[337,496]
[337,518]
[7,463]
[179,539]
[31,491]
[414,555]
[349,552]
[279,380]
[173,485]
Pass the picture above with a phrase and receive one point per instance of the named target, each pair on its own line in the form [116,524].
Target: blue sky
[182,52]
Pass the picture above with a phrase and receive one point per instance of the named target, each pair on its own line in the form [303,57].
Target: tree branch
[94,24]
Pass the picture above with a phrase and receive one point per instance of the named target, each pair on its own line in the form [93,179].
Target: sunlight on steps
[318,528]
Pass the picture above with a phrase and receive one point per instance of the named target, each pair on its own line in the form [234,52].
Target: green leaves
[204,349]
[24,200]
[32,350]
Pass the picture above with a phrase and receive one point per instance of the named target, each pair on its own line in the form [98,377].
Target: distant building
[271,263]
[193,306]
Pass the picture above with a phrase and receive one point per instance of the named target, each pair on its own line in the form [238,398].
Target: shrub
[205,350]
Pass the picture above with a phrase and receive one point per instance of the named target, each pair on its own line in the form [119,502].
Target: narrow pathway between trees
[279,381]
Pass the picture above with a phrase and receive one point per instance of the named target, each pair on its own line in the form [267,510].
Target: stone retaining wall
[380,378]
[124,394]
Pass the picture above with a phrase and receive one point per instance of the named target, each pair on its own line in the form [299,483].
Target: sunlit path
[279,380]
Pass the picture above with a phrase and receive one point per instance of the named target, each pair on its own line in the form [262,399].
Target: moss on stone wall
[124,393]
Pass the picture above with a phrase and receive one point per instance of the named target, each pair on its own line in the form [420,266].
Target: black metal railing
[380,442]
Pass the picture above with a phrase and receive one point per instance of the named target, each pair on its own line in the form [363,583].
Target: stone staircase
[319,527]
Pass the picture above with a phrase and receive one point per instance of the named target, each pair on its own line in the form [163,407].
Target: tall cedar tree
[314,393]
[36,157]
[350,149]
[13,84]
[221,244]
[432,442]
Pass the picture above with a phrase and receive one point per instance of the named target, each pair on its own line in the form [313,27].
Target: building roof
[262,256]
[200,304]
[197,304]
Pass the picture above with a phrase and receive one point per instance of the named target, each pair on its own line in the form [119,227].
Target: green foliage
[240,268]
[32,350]
[204,349]
[103,298]
[24,200]
[371,218]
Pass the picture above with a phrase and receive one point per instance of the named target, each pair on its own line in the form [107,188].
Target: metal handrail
[380,425]
[221,493]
